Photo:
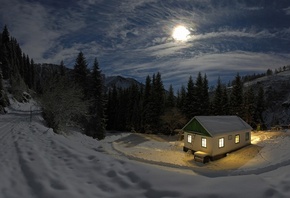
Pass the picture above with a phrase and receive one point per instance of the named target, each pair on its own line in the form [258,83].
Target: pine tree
[147,105]
[1,80]
[62,69]
[205,96]
[112,109]
[181,100]
[260,106]
[199,106]
[236,98]
[80,72]
[170,99]
[250,106]
[3,97]
[96,126]
[122,110]
[27,68]
[158,101]
[4,58]
[5,36]
[31,84]
[217,100]
[225,102]
[190,101]
[134,108]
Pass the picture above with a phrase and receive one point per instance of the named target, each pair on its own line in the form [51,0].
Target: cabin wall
[196,143]
[212,143]
[229,142]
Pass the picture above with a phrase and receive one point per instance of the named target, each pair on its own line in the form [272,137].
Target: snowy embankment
[35,162]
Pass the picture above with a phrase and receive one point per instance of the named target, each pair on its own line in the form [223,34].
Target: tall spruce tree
[3,97]
[170,99]
[205,96]
[97,123]
[181,99]
[250,106]
[190,103]
[31,84]
[260,106]
[199,101]
[112,109]
[225,101]
[147,105]
[217,107]
[62,69]
[1,79]
[236,98]
[80,72]
[134,108]
[4,58]
[158,100]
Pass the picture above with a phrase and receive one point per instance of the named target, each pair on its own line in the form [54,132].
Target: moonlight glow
[180,33]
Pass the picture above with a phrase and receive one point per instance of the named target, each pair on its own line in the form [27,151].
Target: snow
[35,162]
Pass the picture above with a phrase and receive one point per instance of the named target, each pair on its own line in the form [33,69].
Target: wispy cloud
[133,37]
[38,27]
[287,11]
[177,71]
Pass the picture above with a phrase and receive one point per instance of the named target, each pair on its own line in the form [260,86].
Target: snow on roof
[222,124]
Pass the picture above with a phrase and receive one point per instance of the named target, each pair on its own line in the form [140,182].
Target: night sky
[133,38]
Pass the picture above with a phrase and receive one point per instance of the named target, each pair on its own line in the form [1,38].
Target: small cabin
[212,137]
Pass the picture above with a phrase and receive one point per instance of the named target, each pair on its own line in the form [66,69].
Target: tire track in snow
[9,168]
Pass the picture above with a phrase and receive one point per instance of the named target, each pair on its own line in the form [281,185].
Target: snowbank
[35,162]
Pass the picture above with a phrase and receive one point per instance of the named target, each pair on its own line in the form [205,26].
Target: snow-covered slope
[277,95]
[35,162]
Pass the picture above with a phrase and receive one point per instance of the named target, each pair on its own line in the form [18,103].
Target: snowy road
[35,162]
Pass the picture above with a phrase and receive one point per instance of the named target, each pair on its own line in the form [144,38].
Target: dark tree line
[143,109]
[152,109]
[15,67]
[15,63]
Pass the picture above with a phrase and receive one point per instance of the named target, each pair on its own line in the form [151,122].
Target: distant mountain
[45,70]
[277,96]
[120,82]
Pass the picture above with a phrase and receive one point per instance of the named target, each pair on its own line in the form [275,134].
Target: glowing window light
[237,139]
[189,138]
[203,142]
[221,142]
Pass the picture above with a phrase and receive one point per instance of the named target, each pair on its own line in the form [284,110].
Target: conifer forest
[78,96]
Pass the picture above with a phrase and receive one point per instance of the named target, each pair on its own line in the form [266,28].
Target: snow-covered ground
[35,162]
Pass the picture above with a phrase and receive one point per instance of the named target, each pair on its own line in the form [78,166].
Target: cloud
[177,71]
[36,27]
[287,11]
[133,37]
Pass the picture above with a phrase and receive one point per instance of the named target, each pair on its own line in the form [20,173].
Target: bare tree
[173,119]
[61,102]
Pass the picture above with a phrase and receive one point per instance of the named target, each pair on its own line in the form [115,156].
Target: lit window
[247,136]
[189,138]
[221,142]
[203,142]
[237,139]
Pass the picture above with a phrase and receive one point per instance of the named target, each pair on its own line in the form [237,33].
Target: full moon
[180,33]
